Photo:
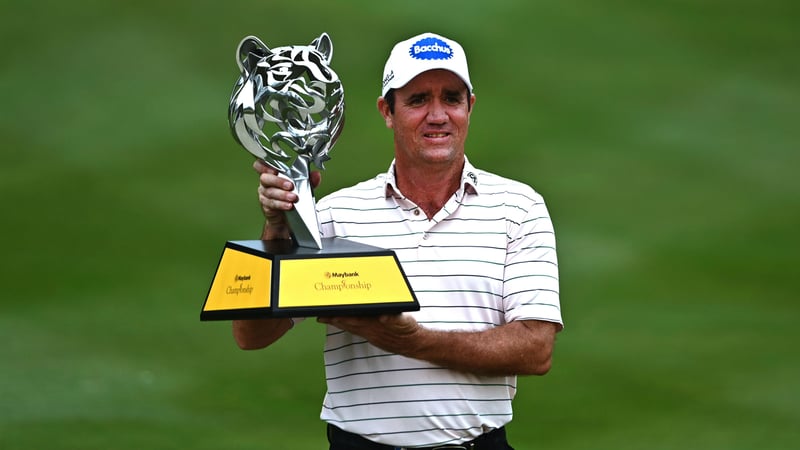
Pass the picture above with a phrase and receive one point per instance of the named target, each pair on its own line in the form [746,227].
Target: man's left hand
[392,332]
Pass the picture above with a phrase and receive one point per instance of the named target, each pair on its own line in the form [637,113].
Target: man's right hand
[276,196]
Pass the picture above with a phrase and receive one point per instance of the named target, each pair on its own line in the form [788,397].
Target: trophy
[287,109]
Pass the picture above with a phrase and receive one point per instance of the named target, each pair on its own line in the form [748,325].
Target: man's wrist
[275,232]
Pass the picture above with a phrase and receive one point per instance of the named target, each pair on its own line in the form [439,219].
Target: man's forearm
[518,348]
[253,334]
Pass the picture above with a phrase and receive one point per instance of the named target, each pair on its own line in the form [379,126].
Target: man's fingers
[269,180]
[276,198]
[315,177]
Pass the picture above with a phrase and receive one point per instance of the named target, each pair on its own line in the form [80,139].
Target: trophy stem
[304,215]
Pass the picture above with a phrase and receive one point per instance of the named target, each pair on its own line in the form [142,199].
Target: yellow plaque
[358,280]
[242,281]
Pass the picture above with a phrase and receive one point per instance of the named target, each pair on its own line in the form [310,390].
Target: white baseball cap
[427,51]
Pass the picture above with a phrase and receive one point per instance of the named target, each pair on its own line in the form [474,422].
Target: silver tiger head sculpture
[287,109]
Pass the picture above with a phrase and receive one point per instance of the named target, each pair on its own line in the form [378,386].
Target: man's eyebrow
[454,92]
[418,96]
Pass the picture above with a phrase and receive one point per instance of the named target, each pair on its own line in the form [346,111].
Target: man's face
[430,119]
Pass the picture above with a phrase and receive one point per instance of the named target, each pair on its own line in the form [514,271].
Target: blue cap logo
[430,48]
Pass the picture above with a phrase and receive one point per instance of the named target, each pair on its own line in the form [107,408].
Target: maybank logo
[345,284]
[431,48]
[340,274]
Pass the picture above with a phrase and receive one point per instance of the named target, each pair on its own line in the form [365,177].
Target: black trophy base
[262,279]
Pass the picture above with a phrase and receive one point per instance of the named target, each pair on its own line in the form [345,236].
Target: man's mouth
[436,135]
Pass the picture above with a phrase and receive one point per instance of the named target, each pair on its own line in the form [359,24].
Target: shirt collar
[470,178]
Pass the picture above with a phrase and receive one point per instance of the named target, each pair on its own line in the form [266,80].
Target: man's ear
[383,108]
[471,106]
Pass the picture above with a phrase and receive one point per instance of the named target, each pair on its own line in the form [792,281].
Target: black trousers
[342,440]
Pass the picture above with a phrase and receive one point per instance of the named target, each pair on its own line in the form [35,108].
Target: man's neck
[429,187]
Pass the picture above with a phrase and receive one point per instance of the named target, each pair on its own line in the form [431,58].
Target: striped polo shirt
[486,259]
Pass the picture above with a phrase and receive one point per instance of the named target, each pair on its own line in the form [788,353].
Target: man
[478,250]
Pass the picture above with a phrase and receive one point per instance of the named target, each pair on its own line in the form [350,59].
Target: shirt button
[425,236]
[416,212]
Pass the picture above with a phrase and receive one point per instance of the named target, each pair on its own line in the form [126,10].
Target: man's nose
[437,113]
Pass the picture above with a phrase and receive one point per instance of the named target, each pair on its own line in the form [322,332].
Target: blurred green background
[664,136]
